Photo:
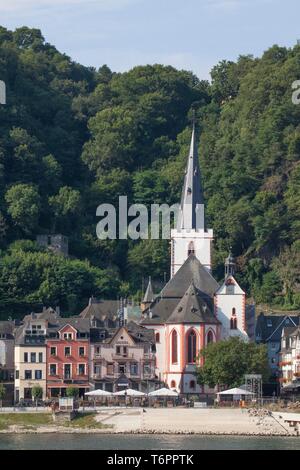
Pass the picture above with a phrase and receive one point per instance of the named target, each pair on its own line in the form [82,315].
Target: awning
[129,392]
[235,391]
[163,392]
[98,393]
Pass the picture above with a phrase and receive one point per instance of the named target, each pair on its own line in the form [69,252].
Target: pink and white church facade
[192,309]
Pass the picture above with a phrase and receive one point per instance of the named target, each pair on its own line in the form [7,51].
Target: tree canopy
[226,362]
[73,137]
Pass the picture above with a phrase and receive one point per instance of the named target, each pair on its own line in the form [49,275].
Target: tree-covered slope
[73,137]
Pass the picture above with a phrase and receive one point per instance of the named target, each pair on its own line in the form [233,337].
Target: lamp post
[2,92]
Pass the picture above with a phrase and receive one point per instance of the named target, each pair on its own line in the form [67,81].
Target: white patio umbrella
[129,392]
[235,393]
[163,392]
[98,393]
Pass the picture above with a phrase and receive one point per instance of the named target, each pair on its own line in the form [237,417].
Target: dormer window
[68,336]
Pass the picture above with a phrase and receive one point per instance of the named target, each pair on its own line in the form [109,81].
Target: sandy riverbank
[174,421]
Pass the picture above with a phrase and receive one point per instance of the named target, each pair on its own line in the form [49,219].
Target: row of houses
[281,334]
[92,350]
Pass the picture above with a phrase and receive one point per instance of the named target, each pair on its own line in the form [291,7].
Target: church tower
[190,236]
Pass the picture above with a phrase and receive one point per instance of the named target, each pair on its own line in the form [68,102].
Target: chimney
[57,309]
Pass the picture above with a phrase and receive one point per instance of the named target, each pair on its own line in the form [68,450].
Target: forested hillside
[73,137]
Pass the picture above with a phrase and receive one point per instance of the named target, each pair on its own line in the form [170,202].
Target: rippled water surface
[144,442]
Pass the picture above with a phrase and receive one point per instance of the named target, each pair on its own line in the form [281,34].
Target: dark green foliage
[226,363]
[72,138]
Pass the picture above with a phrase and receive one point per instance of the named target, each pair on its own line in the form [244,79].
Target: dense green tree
[226,363]
[23,206]
[72,137]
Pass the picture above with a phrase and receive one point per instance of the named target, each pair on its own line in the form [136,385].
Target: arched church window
[210,337]
[233,320]
[191,249]
[157,337]
[191,347]
[174,347]
[192,384]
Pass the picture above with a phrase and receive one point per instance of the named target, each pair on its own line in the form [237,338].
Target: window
[210,337]
[269,323]
[191,249]
[134,369]
[125,350]
[110,369]
[25,357]
[191,347]
[174,342]
[17,374]
[122,368]
[118,350]
[81,351]
[33,357]
[28,374]
[38,375]
[173,384]
[192,385]
[273,345]
[68,335]
[157,337]
[53,351]
[67,371]
[233,323]
[67,351]
[52,369]
[40,357]
[81,369]
[233,320]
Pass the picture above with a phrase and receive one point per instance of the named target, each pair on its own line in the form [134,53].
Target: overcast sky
[189,34]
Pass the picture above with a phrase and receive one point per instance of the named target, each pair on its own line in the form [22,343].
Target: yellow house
[30,354]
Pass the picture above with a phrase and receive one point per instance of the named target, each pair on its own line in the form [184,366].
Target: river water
[143,442]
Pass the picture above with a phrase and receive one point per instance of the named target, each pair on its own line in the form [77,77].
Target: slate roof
[149,296]
[191,270]
[7,328]
[101,309]
[192,309]
[264,332]
[192,193]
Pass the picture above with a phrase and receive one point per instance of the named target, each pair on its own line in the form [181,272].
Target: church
[192,309]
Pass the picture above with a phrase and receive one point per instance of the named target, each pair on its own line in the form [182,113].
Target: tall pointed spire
[149,296]
[191,214]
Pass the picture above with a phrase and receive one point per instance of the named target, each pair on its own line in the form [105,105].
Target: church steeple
[148,297]
[191,237]
[229,265]
[191,214]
